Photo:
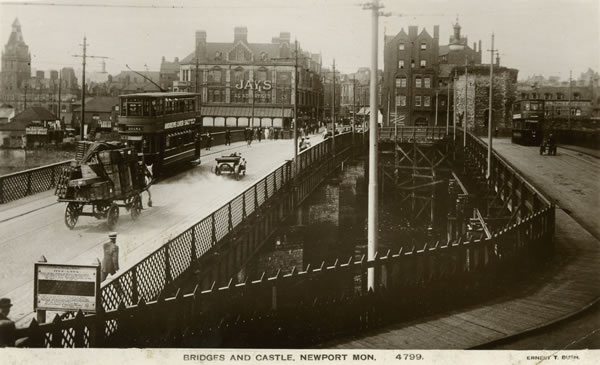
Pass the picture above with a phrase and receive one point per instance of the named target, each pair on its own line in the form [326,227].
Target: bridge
[148,284]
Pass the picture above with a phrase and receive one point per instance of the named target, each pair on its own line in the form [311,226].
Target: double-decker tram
[527,122]
[163,126]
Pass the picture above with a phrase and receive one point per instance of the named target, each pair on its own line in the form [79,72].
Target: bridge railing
[309,305]
[414,134]
[24,183]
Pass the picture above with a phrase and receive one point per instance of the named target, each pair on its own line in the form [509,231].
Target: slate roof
[100,104]
[35,113]
[15,126]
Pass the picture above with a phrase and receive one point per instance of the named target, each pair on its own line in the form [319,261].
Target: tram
[164,127]
[527,122]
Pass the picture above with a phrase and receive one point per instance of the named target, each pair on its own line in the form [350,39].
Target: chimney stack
[240,34]
[284,37]
[412,32]
[436,31]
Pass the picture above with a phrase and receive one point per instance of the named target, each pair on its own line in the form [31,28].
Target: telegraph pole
[295,104]
[373,214]
[448,108]
[333,108]
[84,56]
[436,107]
[59,94]
[570,93]
[454,106]
[353,105]
[489,153]
[466,102]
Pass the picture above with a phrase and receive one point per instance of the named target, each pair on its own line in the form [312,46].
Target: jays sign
[254,85]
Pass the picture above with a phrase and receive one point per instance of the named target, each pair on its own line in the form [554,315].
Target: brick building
[356,92]
[169,73]
[251,84]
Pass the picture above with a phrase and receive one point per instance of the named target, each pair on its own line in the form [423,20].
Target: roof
[35,113]
[15,125]
[167,66]
[101,104]
[6,112]
[271,49]
[163,94]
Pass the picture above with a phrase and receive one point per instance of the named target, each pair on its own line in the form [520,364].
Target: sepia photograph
[307,181]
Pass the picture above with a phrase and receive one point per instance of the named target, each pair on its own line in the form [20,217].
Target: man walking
[7,327]
[110,261]
[208,140]
[227,137]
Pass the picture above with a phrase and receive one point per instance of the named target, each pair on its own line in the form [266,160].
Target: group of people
[260,133]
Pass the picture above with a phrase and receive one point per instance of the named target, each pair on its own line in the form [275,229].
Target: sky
[549,37]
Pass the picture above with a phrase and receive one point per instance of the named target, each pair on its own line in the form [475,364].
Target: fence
[589,139]
[310,305]
[24,183]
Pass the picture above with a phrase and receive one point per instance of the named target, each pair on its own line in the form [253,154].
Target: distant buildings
[356,93]
[251,84]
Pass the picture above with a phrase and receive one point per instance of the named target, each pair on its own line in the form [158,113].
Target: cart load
[105,176]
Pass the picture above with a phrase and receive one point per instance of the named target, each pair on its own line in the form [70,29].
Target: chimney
[497,60]
[436,31]
[474,46]
[240,34]
[479,48]
[200,37]
[412,32]
[284,37]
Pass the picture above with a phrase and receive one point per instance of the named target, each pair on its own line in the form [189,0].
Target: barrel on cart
[105,177]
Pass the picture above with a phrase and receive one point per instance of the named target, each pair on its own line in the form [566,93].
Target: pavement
[550,301]
[34,226]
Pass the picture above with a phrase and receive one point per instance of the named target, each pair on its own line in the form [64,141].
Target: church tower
[16,63]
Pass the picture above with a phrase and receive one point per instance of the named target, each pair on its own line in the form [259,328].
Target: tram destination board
[66,287]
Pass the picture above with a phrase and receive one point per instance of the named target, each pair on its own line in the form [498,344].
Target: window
[577,112]
[216,96]
[427,82]
[261,75]
[400,100]
[412,64]
[423,45]
[418,82]
[401,47]
[417,101]
[576,96]
[214,76]
[534,95]
[560,96]
[401,64]
[547,96]
[426,100]
[400,81]
[423,63]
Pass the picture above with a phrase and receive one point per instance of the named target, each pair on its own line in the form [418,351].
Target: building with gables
[244,84]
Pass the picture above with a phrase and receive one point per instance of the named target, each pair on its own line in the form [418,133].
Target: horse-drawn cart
[106,177]
[232,164]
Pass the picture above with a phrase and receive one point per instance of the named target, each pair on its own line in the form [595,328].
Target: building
[328,94]
[356,93]
[100,114]
[7,112]
[410,76]
[16,62]
[251,84]
[40,125]
[169,73]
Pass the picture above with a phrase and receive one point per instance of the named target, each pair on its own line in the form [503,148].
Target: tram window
[123,107]
[526,106]
[157,107]
[134,109]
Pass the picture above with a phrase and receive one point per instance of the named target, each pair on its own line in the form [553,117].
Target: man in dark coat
[110,261]
[7,326]
[227,137]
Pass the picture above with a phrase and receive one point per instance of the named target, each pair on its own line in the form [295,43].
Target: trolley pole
[466,102]
[373,214]
[489,152]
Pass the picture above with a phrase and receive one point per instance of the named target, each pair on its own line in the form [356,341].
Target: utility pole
[333,109]
[448,108]
[353,105]
[454,106]
[84,56]
[570,93]
[373,214]
[489,153]
[25,102]
[295,104]
[59,94]
[252,110]
[436,106]
[466,102]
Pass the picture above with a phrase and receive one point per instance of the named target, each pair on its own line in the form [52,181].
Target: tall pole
[436,107]
[466,102]
[454,106]
[252,110]
[448,108]
[25,101]
[59,93]
[295,104]
[569,107]
[353,105]
[333,109]
[373,218]
[489,154]
[81,133]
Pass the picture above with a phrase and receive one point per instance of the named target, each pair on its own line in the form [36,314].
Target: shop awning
[237,111]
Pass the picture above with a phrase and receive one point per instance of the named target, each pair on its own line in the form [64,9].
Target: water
[332,224]
[14,160]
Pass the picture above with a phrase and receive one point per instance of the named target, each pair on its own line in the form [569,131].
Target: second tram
[163,126]
[527,122]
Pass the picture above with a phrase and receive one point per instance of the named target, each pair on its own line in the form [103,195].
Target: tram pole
[466,102]
[373,214]
[489,152]
[448,108]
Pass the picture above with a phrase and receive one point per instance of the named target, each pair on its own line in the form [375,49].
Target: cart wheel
[217,170]
[72,214]
[113,216]
[136,207]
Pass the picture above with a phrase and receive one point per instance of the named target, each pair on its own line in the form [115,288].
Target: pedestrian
[250,136]
[110,261]
[227,137]
[208,140]
[267,133]
[148,180]
[197,145]
[260,134]
[7,326]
